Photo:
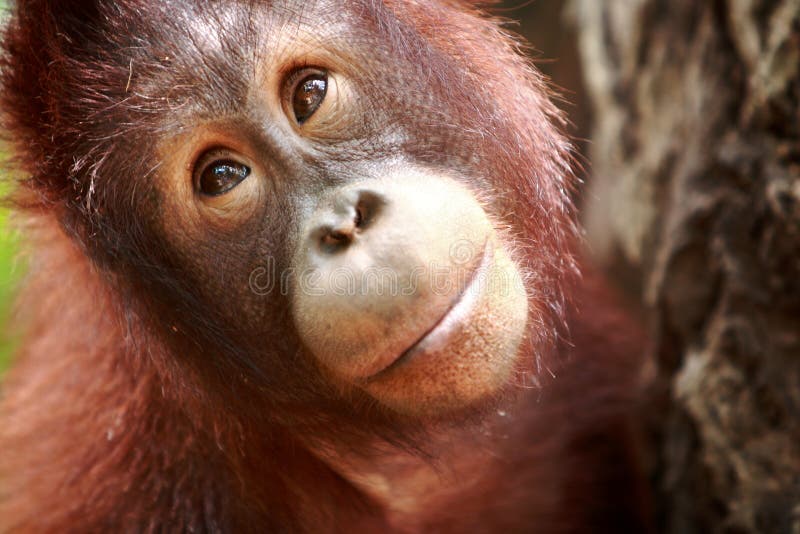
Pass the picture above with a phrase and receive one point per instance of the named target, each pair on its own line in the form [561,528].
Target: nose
[351,213]
[378,263]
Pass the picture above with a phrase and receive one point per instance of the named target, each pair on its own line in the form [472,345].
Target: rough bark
[696,190]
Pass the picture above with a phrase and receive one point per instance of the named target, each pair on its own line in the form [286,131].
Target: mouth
[440,335]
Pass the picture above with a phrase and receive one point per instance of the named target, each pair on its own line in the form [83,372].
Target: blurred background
[10,272]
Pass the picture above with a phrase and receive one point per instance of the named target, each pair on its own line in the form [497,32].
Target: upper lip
[469,286]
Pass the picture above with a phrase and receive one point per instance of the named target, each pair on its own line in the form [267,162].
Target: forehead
[210,52]
[230,24]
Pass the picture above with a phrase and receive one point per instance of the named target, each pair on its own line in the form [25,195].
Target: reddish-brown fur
[120,415]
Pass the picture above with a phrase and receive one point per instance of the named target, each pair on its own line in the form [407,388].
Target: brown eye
[221,176]
[309,93]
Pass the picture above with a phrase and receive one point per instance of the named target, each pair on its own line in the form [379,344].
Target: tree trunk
[695,188]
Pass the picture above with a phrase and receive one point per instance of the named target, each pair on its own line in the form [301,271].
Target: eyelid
[209,156]
[213,154]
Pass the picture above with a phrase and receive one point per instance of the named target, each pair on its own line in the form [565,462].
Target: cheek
[217,271]
[227,255]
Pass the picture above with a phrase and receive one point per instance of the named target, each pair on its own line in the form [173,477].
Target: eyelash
[209,156]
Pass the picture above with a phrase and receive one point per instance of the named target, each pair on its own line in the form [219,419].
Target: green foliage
[10,271]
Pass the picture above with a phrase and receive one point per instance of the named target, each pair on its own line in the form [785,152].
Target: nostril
[359,218]
[336,237]
[333,240]
[368,207]
[352,213]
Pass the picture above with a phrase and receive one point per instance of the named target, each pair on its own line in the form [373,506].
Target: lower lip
[441,334]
